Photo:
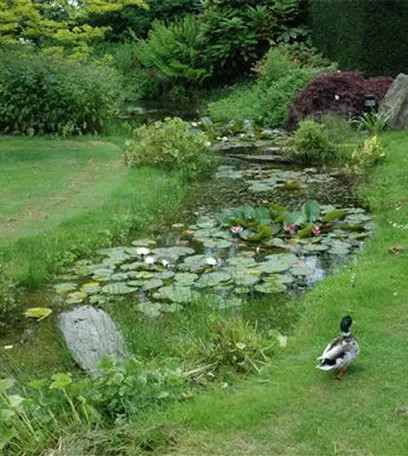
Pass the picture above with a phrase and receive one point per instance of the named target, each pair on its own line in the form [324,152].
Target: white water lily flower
[194,124]
[143,251]
[165,263]
[224,138]
[208,143]
[211,261]
[149,260]
[336,97]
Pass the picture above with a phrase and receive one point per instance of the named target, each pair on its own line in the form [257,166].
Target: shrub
[11,306]
[369,153]
[267,100]
[47,94]
[336,93]
[170,145]
[311,145]
[373,123]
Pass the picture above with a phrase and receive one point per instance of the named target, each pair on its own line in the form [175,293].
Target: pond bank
[299,410]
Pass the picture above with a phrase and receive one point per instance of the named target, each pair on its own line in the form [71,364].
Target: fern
[173,51]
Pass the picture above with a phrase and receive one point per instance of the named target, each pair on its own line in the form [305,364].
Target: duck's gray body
[339,353]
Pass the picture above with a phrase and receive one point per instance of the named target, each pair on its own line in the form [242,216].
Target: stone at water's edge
[90,335]
[395,103]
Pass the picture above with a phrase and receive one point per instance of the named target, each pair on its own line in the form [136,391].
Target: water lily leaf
[311,211]
[242,262]
[245,280]
[39,313]
[206,222]
[119,276]
[339,251]
[165,275]
[217,243]
[331,216]
[292,185]
[91,288]
[185,279]
[294,218]
[178,251]
[77,297]
[177,294]
[119,288]
[301,270]
[270,286]
[260,232]
[313,248]
[347,227]
[143,242]
[132,266]
[98,299]
[62,288]
[277,263]
[142,275]
[307,231]
[152,284]
[102,275]
[213,279]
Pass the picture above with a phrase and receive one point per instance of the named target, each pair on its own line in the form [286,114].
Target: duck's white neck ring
[345,334]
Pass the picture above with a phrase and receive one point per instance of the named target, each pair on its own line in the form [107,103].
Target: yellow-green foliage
[59,22]
[369,153]
[170,145]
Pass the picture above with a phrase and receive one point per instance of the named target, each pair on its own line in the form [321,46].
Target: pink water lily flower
[290,228]
[316,231]
[237,229]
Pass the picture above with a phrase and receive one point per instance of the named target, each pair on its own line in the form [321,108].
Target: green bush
[47,94]
[369,153]
[170,145]
[11,307]
[311,145]
[266,101]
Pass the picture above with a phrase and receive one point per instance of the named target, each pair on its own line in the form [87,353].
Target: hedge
[366,35]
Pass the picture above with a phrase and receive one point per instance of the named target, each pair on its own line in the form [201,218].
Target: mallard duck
[341,351]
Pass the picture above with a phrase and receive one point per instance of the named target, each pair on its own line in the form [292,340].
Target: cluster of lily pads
[239,251]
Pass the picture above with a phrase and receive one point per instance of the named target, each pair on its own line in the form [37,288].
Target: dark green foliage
[43,94]
[134,21]
[355,33]
[172,53]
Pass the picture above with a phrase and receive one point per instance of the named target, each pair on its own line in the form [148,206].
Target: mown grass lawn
[61,199]
[299,410]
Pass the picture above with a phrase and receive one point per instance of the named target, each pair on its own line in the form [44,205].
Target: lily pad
[39,313]
[206,222]
[313,248]
[62,288]
[143,242]
[242,262]
[165,275]
[102,275]
[185,278]
[152,284]
[144,275]
[301,270]
[245,280]
[132,266]
[177,294]
[98,299]
[91,288]
[164,252]
[212,279]
[77,297]
[217,243]
[119,276]
[119,288]
[277,263]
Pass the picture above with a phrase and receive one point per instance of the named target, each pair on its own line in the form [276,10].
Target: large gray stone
[395,103]
[90,335]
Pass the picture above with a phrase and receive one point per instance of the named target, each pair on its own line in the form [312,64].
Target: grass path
[298,410]
[44,182]
[63,199]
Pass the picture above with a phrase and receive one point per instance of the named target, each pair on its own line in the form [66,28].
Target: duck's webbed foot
[341,373]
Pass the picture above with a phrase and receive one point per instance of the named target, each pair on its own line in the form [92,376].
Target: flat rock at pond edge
[90,335]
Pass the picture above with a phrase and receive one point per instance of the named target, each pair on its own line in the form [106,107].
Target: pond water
[165,272]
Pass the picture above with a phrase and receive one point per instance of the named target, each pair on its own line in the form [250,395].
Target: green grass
[61,199]
[299,410]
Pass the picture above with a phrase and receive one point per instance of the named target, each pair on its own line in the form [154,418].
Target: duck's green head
[345,324]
